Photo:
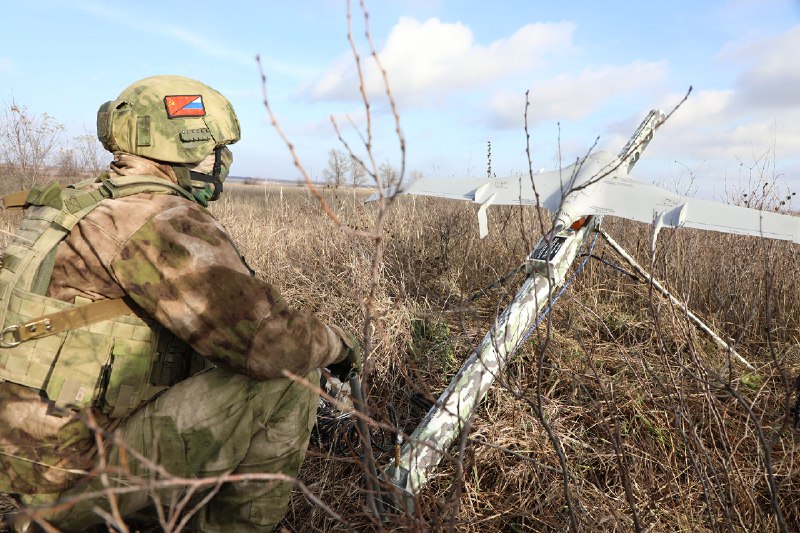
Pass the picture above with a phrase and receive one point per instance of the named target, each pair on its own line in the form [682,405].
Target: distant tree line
[344,169]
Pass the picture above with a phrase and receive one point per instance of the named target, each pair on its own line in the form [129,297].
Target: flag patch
[185,105]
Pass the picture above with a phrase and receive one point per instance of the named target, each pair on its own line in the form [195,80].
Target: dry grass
[635,394]
[657,434]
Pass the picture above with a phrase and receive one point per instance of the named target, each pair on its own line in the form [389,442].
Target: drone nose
[562,220]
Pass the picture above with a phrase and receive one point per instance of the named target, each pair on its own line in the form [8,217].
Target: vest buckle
[13,331]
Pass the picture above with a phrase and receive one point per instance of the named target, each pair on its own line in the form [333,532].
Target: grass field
[657,433]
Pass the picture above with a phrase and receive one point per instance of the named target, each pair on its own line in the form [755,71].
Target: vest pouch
[107,364]
[132,357]
[30,363]
[76,378]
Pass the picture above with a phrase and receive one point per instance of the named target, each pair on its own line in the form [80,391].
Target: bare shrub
[33,151]
[83,157]
[27,142]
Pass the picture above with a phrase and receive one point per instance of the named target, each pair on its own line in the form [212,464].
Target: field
[656,433]
[652,428]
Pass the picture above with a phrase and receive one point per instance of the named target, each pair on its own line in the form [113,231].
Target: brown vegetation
[34,150]
[656,430]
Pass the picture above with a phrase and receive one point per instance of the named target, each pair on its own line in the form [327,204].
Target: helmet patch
[184,105]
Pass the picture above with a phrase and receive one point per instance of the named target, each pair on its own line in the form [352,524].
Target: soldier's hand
[350,358]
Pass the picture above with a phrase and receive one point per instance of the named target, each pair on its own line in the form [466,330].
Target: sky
[459,72]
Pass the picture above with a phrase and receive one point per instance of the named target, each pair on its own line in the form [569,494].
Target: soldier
[123,297]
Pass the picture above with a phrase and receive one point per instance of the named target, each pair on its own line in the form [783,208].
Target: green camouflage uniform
[178,264]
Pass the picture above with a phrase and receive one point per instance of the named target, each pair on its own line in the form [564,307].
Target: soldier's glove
[349,359]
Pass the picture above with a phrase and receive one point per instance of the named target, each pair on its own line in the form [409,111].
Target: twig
[537,405]
[297,163]
[530,174]
[185,483]
[616,439]
[602,174]
[767,451]
[91,423]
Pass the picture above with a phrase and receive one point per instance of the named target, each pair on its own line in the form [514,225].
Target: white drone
[579,195]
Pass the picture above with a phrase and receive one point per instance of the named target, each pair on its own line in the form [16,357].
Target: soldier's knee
[288,398]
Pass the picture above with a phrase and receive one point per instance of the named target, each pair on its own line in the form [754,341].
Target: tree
[80,158]
[389,174]
[358,173]
[336,170]
[66,164]
[90,154]
[26,143]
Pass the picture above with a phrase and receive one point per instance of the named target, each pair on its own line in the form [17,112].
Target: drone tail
[641,138]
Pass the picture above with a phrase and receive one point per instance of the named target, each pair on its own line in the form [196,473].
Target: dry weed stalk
[574,524]
[376,235]
[187,496]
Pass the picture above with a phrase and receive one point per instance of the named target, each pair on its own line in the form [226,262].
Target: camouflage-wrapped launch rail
[548,265]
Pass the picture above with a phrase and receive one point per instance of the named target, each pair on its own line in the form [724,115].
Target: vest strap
[15,200]
[60,321]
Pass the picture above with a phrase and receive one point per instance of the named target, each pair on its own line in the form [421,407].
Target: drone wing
[515,190]
[600,184]
[633,200]
[486,192]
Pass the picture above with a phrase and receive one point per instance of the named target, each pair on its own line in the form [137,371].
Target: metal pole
[660,288]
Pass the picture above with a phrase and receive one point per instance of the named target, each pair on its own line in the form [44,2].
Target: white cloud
[721,133]
[574,96]
[702,108]
[6,65]
[429,60]
[758,115]
[719,138]
[201,43]
[772,79]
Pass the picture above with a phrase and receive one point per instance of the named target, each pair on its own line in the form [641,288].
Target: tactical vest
[81,353]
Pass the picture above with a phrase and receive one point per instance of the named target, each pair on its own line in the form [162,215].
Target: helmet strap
[217,165]
[214,178]
[203,194]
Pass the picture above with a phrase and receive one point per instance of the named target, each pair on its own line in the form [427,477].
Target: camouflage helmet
[168,118]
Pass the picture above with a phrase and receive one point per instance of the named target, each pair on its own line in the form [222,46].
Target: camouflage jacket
[175,261]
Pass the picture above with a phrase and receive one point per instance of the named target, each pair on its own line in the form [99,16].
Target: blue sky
[459,71]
